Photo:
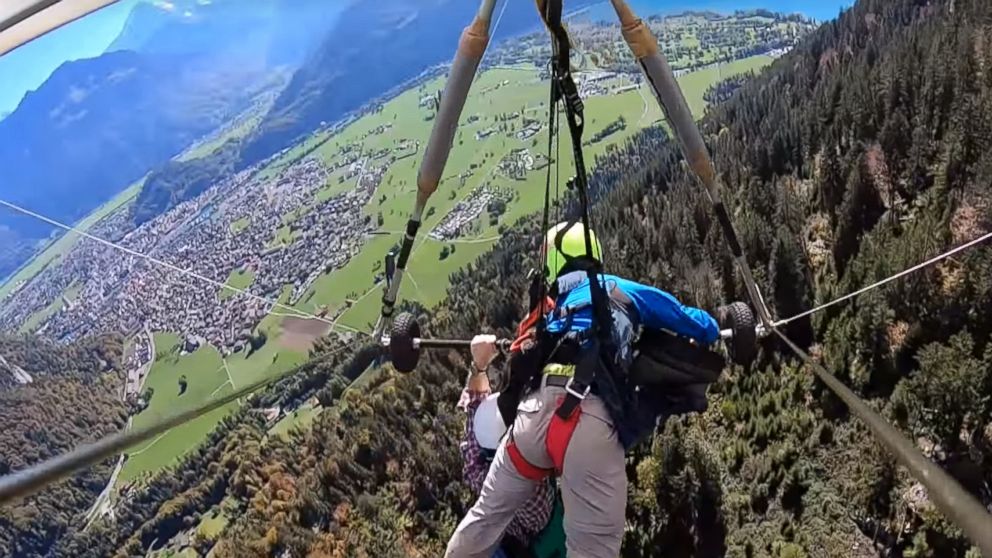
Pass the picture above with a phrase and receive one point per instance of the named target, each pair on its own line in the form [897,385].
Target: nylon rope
[886,281]
[177,269]
[542,264]
[492,34]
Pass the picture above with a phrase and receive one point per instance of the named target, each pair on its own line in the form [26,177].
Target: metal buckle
[571,391]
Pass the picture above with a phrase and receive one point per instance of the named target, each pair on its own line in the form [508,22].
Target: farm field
[298,418]
[206,378]
[41,316]
[239,279]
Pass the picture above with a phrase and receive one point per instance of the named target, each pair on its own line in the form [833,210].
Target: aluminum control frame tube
[471,49]
[669,94]
[424,343]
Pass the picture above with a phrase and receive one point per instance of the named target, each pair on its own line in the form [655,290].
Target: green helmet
[573,245]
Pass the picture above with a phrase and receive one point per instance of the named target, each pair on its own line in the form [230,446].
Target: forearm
[702,325]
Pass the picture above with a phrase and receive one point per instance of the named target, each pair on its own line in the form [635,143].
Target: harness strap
[581,383]
[524,467]
[560,433]
[590,359]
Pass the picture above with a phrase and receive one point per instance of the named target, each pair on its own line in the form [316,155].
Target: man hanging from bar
[584,401]
[581,407]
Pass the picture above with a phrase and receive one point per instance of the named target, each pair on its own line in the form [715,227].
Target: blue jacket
[655,309]
[635,413]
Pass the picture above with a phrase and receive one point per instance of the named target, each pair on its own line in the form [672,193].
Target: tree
[948,397]
[858,213]
[257,341]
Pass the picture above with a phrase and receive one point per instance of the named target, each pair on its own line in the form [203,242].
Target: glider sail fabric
[22,21]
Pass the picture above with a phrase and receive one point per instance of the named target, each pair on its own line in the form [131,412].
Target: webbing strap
[524,467]
[564,88]
[560,433]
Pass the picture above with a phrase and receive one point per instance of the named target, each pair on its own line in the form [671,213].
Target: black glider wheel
[401,350]
[743,346]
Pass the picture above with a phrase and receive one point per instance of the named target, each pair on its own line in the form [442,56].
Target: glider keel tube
[471,48]
[669,94]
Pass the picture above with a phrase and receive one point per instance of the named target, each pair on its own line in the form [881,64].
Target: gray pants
[593,483]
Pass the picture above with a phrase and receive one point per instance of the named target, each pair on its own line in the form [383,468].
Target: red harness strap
[524,467]
[560,433]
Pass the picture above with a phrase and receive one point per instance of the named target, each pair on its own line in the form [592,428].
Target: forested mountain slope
[75,397]
[862,152]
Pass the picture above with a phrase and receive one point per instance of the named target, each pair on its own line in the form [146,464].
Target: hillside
[74,396]
[300,228]
[768,470]
[863,151]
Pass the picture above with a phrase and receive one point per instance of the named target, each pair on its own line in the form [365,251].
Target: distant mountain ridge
[375,47]
[273,32]
[97,125]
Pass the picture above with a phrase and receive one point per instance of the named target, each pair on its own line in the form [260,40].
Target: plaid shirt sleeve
[535,513]
[474,465]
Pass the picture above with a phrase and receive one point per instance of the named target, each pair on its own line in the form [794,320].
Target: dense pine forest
[865,150]
[74,396]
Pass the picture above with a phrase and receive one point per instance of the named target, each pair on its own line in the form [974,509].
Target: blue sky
[27,67]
